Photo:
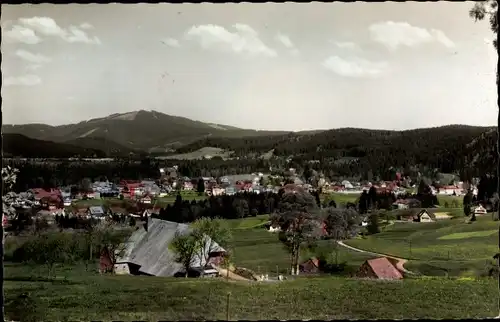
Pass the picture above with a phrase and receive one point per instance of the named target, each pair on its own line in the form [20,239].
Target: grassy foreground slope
[83,296]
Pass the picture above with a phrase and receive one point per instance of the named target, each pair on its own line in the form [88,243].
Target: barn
[379,268]
[310,266]
[147,251]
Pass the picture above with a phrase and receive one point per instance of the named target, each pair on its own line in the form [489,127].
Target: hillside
[110,148]
[448,148]
[22,146]
[140,130]
[458,149]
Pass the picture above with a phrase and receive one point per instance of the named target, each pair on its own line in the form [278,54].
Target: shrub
[25,307]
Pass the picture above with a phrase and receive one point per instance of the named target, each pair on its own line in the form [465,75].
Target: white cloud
[32,58]
[346,45]
[244,40]
[354,67]
[86,25]
[396,34]
[44,25]
[77,35]
[171,42]
[28,29]
[285,40]
[23,35]
[26,80]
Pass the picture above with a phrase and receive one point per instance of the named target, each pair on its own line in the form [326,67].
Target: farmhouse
[379,268]
[310,266]
[147,251]
[479,210]
[97,212]
[424,216]
[273,227]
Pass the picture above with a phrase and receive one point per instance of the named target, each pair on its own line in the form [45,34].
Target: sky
[270,66]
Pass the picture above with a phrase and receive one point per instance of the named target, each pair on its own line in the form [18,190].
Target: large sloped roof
[384,269]
[150,249]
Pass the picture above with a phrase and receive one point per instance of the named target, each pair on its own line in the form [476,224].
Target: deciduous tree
[185,246]
[300,223]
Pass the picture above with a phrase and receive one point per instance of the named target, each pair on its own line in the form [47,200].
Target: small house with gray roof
[147,251]
[97,212]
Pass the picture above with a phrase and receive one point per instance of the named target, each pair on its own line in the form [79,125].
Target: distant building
[479,210]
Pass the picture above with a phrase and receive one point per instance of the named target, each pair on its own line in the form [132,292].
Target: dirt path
[399,264]
[224,273]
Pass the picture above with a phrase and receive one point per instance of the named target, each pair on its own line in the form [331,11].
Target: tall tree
[300,223]
[489,10]
[341,224]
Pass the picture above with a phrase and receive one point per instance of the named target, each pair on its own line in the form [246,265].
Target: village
[102,199]
[145,205]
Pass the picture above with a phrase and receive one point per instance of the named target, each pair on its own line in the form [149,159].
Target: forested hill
[450,148]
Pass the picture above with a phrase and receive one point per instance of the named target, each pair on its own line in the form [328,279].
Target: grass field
[84,296]
[77,294]
[444,200]
[447,246]
[255,248]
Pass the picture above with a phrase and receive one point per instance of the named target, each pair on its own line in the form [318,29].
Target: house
[311,266]
[347,185]
[231,190]
[67,202]
[96,212]
[216,191]
[424,216]
[479,210]
[147,251]
[273,227]
[379,268]
[146,200]
[415,215]
[187,186]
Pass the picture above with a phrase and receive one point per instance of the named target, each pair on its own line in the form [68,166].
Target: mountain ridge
[449,147]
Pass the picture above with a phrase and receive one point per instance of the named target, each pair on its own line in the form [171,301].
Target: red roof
[384,269]
[314,261]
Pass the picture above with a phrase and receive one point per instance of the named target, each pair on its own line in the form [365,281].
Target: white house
[347,184]
[479,211]
[273,228]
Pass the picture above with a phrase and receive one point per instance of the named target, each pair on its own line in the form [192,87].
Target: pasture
[451,247]
[78,295]
[255,248]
